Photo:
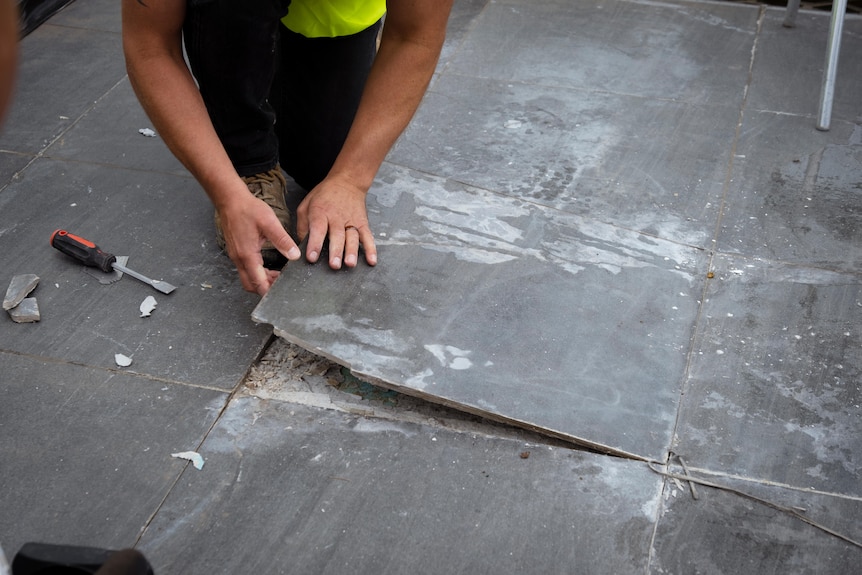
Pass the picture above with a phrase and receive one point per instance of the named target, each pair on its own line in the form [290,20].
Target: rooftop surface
[615,327]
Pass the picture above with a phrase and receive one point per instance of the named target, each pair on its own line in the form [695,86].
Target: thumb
[275,233]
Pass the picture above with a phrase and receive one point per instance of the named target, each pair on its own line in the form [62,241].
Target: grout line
[797,513]
[42,153]
[684,382]
[743,105]
[230,395]
[115,371]
[768,483]
[717,230]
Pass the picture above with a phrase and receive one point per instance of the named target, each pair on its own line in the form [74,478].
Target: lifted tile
[508,310]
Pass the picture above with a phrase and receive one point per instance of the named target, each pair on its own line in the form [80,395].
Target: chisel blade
[162,286]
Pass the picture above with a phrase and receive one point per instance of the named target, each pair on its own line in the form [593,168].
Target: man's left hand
[336,211]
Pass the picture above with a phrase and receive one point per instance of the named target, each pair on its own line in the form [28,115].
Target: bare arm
[413,36]
[152,43]
[8,52]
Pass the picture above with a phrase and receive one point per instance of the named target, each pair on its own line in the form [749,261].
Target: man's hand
[336,210]
[248,223]
[152,43]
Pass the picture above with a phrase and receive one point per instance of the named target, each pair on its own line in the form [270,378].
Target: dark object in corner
[47,559]
[35,12]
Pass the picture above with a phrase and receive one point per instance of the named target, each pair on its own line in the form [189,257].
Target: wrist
[226,193]
[347,181]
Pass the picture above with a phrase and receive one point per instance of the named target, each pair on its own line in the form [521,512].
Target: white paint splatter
[192,456]
[335,324]
[450,356]
[460,363]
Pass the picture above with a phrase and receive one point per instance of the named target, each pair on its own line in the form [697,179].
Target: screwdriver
[89,254]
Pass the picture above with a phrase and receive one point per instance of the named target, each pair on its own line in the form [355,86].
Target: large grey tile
[461,20]
[118,120]
[87,452]
[789,62]
[507,309]
[694,52]
[291,489]
[646,164]
[11,164]
[723,532]
[102,15]
[201,333]
[795,193]
[774,390]
[62,72]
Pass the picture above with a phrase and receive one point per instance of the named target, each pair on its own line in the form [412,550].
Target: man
[271,91]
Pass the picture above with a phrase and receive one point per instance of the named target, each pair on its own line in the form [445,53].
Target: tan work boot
[269,187]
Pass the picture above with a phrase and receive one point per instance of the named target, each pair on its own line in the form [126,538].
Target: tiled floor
[611,222]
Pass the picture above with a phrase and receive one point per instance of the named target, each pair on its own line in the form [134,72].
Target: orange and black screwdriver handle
[83,250]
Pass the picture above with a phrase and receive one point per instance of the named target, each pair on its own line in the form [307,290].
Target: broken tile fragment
[26,312]
[122,360]
[19,288]
[147,306]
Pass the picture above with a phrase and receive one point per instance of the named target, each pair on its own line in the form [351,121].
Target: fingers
[249,265]
[336,217]
[336,247]
[342,240]
[366,238]
[261,282]
[316,236]
[343,245]
[351,246]
[246,231]
[254,277]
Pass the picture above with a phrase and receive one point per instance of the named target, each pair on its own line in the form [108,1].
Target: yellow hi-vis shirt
[332,18]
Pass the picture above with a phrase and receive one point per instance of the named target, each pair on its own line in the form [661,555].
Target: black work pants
[273,95]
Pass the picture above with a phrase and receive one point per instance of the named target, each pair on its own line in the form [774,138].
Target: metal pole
[827,91]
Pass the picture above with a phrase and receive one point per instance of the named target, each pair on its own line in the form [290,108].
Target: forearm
[398,80]
[8,52]
[168,93]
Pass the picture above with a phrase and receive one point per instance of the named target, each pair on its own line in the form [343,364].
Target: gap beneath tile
[289,373]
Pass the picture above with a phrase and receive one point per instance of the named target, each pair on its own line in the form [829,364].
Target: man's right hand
[152,43]
[248,223]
